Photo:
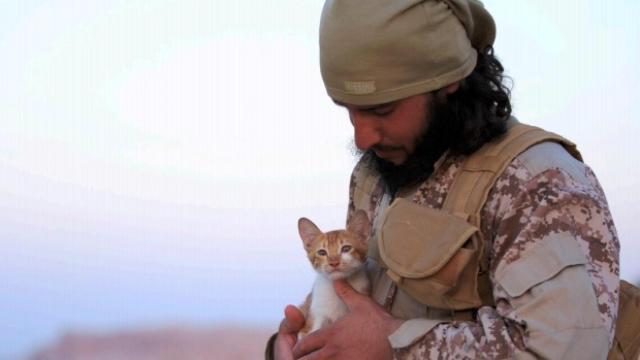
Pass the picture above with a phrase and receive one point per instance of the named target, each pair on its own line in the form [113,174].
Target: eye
[346,248]
[321,252]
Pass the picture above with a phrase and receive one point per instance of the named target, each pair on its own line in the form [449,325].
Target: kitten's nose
[334,263]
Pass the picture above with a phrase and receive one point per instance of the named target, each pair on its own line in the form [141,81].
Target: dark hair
[479,110]
[461,122]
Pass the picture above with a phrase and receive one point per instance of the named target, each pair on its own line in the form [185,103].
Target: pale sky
[155,156]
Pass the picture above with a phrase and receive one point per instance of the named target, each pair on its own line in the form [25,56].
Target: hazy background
[155,155]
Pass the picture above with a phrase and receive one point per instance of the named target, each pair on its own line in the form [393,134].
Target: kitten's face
[336,254]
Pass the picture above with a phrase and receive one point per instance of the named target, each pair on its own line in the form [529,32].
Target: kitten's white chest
[326,306]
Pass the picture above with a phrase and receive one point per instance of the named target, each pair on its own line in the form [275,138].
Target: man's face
[402,140]
[391,130]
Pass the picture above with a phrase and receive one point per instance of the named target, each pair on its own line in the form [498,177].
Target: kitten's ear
[308,231]
[359,224]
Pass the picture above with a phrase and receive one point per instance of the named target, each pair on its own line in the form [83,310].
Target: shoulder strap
[481,170]
[479,173]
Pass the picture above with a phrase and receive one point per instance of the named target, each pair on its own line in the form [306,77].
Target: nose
[334,262]
[366,132]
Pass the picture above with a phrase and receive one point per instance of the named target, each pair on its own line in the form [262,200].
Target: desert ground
[176,343]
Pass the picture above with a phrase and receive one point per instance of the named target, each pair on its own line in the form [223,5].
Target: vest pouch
[431,254]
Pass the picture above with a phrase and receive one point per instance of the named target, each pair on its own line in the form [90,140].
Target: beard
[419,165]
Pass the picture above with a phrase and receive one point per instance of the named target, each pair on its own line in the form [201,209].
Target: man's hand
[288,333]
[361,334]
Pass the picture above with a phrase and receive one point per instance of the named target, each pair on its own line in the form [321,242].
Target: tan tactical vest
[438,270]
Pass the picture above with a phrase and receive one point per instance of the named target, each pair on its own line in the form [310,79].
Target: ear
[308,231]
[451,88]
[359,224]
[442,93]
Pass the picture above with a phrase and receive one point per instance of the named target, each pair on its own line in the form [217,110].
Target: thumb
[294,319]
[348,295]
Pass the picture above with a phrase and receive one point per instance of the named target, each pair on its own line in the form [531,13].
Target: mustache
[385,148]
[419,164]
[378,147]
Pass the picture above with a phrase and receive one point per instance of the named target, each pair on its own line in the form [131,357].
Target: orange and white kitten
[338,254]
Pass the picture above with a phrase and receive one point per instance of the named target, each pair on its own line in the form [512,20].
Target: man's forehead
[364,107]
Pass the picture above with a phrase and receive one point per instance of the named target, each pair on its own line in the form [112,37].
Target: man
[424,93]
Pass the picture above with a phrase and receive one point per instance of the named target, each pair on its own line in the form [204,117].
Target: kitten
[338,254]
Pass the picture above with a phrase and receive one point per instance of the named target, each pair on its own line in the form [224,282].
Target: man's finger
[293,320]
[316,355]
[348,295]
[310,343]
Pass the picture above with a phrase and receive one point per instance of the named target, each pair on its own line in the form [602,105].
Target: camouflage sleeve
[553,254]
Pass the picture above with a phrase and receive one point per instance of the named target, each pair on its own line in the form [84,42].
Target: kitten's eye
[322,252]
[346,248]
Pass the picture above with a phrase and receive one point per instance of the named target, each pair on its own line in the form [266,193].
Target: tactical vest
[437,267]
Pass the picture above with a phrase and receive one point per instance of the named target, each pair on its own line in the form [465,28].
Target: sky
[155,156]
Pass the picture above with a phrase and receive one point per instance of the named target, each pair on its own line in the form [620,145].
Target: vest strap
[471,186]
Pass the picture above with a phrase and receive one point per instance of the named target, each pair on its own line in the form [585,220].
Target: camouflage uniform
[553,259]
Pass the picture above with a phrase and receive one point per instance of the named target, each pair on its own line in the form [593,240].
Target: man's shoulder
[542,172]
[534,151]
[550,155]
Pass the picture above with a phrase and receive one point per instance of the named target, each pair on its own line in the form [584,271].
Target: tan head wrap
[377,51]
